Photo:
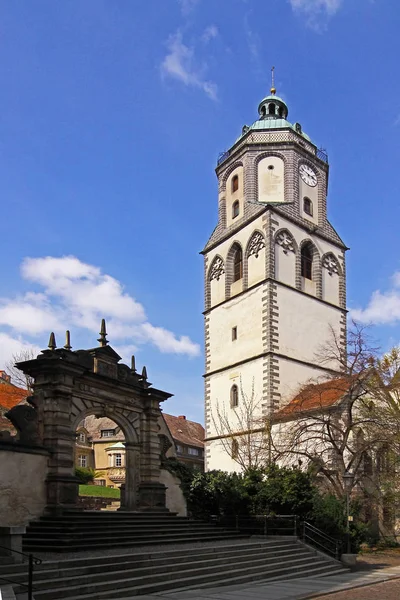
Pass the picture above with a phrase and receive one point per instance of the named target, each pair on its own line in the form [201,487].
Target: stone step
[187,579]
[159,556]
[121,526]
[35,545]
[71,568]
[151,573]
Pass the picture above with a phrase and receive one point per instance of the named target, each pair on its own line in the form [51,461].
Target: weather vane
[273,90]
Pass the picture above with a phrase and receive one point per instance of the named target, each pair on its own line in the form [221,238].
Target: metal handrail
[314,530]
[31,561]
[320,532]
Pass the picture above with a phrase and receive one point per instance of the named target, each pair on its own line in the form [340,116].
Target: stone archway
[71,384]
[130,427]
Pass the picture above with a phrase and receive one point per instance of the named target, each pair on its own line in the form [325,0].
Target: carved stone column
[152,493]
[129,501]
[58,436]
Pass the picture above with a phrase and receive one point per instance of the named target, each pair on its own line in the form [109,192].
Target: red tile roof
[184,431]
[314,396]
[10,396]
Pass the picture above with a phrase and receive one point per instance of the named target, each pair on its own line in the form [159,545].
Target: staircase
[99,530]
[129,575]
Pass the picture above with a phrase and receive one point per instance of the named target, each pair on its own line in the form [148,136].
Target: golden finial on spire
[273,90]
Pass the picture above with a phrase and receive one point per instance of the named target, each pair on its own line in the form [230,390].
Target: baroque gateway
[275,283]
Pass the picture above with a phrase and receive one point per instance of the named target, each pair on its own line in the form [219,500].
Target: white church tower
[274,272]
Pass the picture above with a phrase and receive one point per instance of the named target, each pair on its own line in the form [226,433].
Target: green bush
[85,474]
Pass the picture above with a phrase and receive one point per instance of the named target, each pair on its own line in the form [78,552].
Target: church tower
[275,280]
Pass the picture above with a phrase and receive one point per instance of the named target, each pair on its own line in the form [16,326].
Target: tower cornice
[310,228]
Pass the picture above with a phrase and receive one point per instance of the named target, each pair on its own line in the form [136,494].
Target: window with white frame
[107,433]
[193,451]
[82,437]
[118,460]
[82,460]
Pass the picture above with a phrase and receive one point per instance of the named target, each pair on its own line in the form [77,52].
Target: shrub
[85,474]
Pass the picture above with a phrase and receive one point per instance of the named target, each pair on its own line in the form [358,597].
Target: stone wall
[23,472]
[175,500]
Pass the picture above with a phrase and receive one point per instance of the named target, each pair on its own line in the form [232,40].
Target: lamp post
[348,484]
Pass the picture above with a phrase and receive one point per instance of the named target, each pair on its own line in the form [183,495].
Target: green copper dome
[273,113]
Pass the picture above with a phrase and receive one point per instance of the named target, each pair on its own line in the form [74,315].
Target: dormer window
[107,433]
[235,209]
[235,183]
[307,206]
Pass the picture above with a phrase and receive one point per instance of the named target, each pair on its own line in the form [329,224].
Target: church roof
[185,431]
[316,396]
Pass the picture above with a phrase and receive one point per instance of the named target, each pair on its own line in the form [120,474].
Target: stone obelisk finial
[103,334]
[52,342]
[133,364]
[67,340]
[144,373]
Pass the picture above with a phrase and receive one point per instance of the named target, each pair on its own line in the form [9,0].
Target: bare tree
[243,432]
[338,425]
[19,378]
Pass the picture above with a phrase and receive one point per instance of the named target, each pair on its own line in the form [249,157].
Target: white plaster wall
[22,487]
[219,458]
[330,287]
[217,290]
[175,500]
[256,268]
[312,193]
[293,376]
[231,197]
[304,324]
[245,313]
[285,266]
[220,387]
[271,183]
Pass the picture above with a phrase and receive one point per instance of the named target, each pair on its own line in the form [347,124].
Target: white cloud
[383,307]
[179,64]
[187,6]
[315,10]
[11,346]
[210,33]
[77,294]
[252,39]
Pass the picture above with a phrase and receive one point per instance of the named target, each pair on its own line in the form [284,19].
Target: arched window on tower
[234,396]
[271,109]
[306,261]
[237,264]
[235,183]
[307,206]
[281,112]
[235,209]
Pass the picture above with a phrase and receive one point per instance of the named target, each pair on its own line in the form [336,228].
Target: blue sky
[112,114]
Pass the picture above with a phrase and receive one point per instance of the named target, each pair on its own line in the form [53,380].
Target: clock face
[308,175]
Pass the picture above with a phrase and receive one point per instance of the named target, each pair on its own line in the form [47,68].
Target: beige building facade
[274,274]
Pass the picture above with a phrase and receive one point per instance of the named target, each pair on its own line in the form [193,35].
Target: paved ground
[298,589]
[390,590]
